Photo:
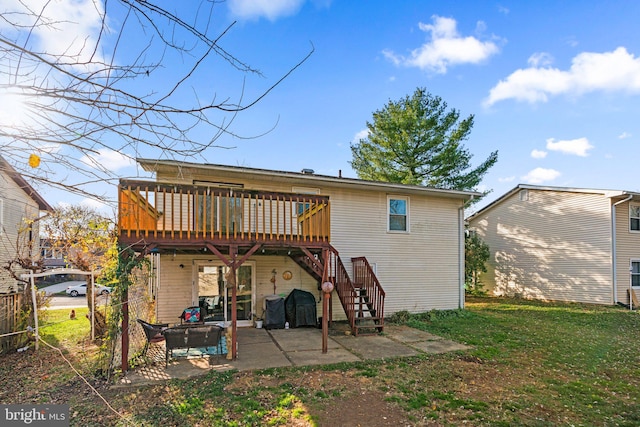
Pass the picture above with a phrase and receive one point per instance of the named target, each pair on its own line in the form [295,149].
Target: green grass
[57,328]
[531,364]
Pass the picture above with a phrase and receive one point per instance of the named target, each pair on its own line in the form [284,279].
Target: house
[19,203]
[386,247]
[53,257]
[565,244]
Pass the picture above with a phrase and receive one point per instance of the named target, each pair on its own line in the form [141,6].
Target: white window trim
[1,217]
[406,199]
[630,230]
[631,272]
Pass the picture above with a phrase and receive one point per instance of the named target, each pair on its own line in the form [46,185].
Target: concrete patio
[262,348]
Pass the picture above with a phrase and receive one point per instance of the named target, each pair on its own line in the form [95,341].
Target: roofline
[607,193]
[149,165]
[24,185]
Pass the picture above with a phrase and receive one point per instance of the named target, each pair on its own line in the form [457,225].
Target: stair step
[361,319]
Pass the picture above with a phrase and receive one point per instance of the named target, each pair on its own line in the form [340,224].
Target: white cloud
[589,72]
[538,154]
[109,160]
[361,135]
[578,147]
[63,27]
[540,59]
[624,135]
[507,179]
[445,48]
[540,175]
[270,9]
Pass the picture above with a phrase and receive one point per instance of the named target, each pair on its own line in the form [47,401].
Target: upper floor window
[1,217]
[634,217]
[398,213]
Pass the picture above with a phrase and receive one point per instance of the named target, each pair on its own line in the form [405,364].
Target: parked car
[81,289]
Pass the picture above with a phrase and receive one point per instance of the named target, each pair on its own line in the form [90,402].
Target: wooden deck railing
[157,211]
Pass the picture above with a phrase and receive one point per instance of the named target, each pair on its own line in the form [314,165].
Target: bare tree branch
[90,97]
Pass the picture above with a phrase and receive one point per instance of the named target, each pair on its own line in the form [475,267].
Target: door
[214,292]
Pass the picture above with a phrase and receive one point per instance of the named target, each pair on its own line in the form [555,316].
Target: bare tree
[74,79]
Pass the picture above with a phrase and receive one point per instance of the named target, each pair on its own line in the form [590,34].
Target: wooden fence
[10,305]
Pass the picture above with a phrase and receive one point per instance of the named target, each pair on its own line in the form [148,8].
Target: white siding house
[411,236]
[19,202]
[556,243]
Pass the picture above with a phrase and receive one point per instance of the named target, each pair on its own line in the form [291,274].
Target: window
[635,273]
[634,217]
[398,214]
[524,195]
[300,206]
[1,217]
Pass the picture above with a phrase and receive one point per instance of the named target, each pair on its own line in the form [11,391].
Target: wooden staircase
[362,298]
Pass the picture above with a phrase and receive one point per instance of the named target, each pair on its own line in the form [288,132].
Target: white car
[81,289]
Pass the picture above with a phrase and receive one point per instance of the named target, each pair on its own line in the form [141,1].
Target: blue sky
[553,86]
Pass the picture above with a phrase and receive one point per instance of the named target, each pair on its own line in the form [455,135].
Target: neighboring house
[565,244]
[19,202]
[386,247]
[52,256]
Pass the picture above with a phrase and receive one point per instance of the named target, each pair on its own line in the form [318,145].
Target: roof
[302,178]
[613,194]
[24,185]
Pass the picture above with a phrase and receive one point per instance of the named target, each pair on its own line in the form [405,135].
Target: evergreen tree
[416,140]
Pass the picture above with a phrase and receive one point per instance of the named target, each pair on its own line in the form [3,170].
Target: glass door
[214,292]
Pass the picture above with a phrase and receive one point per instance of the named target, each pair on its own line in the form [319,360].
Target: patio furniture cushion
[191,315]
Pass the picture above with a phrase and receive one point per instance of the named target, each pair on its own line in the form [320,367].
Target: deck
[190,217]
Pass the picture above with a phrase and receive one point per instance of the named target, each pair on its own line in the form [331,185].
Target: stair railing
[365,279]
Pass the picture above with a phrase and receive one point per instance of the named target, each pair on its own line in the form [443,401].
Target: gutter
[461,253]
[613,250]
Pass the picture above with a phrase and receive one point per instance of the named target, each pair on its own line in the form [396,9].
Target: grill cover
[274,312]
[300,308]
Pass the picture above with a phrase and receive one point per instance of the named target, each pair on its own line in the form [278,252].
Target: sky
[553,86]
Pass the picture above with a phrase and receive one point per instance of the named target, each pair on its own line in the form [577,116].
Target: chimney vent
[308,171]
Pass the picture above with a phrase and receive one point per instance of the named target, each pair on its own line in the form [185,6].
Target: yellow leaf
[34,160]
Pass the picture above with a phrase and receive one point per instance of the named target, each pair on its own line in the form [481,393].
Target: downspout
[613,250]
[461,255]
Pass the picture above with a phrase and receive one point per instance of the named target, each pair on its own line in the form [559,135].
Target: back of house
[410,237]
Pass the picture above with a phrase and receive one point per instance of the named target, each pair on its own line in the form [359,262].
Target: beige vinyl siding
[554,246]
[627,248]
[16,207]
[176,290]
[419,270]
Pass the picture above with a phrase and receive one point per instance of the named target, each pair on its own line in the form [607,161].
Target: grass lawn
[532,364]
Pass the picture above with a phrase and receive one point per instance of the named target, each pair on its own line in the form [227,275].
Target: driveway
[60,287]
[66,301]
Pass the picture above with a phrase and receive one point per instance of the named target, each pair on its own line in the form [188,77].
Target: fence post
[35,308]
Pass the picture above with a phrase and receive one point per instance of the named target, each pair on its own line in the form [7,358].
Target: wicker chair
[153,332]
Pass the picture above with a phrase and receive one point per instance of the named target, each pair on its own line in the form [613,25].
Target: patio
[262,348]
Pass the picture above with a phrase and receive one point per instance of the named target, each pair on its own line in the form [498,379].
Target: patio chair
[192,315]
[153,332]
